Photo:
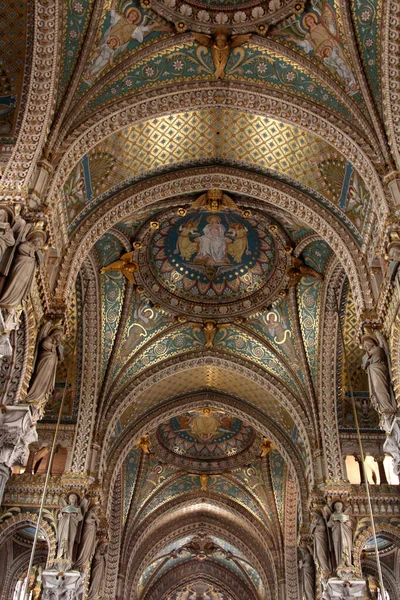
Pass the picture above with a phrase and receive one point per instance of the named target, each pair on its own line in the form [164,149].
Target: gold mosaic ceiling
[206,135]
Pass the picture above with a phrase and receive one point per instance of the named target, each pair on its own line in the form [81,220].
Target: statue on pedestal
[69,518]
[43,378]
[20,278]
[342,535]
[375,362]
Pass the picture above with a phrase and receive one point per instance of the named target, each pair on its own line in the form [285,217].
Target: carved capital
[61,586]
[17,431]
[344,588]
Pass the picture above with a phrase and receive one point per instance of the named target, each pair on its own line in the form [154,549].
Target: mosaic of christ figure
[213,242]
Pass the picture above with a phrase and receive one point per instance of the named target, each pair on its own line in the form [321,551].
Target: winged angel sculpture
[221,44]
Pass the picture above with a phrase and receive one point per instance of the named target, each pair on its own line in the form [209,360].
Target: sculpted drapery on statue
[88,540]
[69,518]
[43,379]
[342,535]
[99,564]
[20,278]
[320,532]
[376,364]
[307,575]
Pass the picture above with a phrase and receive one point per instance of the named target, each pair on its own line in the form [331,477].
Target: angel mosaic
[125,25]
[317,33]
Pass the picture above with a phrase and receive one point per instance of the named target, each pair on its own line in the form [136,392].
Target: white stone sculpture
[342,535]
[68,520]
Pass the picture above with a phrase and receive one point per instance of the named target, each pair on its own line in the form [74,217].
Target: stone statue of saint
[376,364]
[307,575]
[88,541]
[44,375]
[342,535]
[99,564]
[20,279]
[321,542]
[68,520]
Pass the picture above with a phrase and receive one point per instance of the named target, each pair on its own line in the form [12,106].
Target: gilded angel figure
[221,43]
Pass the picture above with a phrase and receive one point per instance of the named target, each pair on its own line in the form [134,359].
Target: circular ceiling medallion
[205,435]
[205,439]
[239,16]
[212,264]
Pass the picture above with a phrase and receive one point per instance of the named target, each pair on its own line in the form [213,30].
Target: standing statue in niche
[320,533]
[342,535]
[20,279]
[307,575]
[99,564]
[375,362]
[88,540]
[69,518]
[44,375]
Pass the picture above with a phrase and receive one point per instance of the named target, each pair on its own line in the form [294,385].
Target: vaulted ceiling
[297,134]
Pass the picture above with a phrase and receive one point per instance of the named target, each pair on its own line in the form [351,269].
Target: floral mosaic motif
[235,340]
[164,347]
[76,19]
[318,33]
[125,26]
[185,63]
[213,255]
[308,293]
[277,468]
[367,15]
[112,290]
[206,434]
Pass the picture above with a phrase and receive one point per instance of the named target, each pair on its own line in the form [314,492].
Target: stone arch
[389,532]
[165,531]
[330,344]
[389,579]
[21,520]
[190,571]
[40,103]
[221,94]
[253,416]
[19,568]
[252,185]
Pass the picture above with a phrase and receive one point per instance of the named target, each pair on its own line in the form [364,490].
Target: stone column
[360,467]
[17,431]
[57,585]
[381,470]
